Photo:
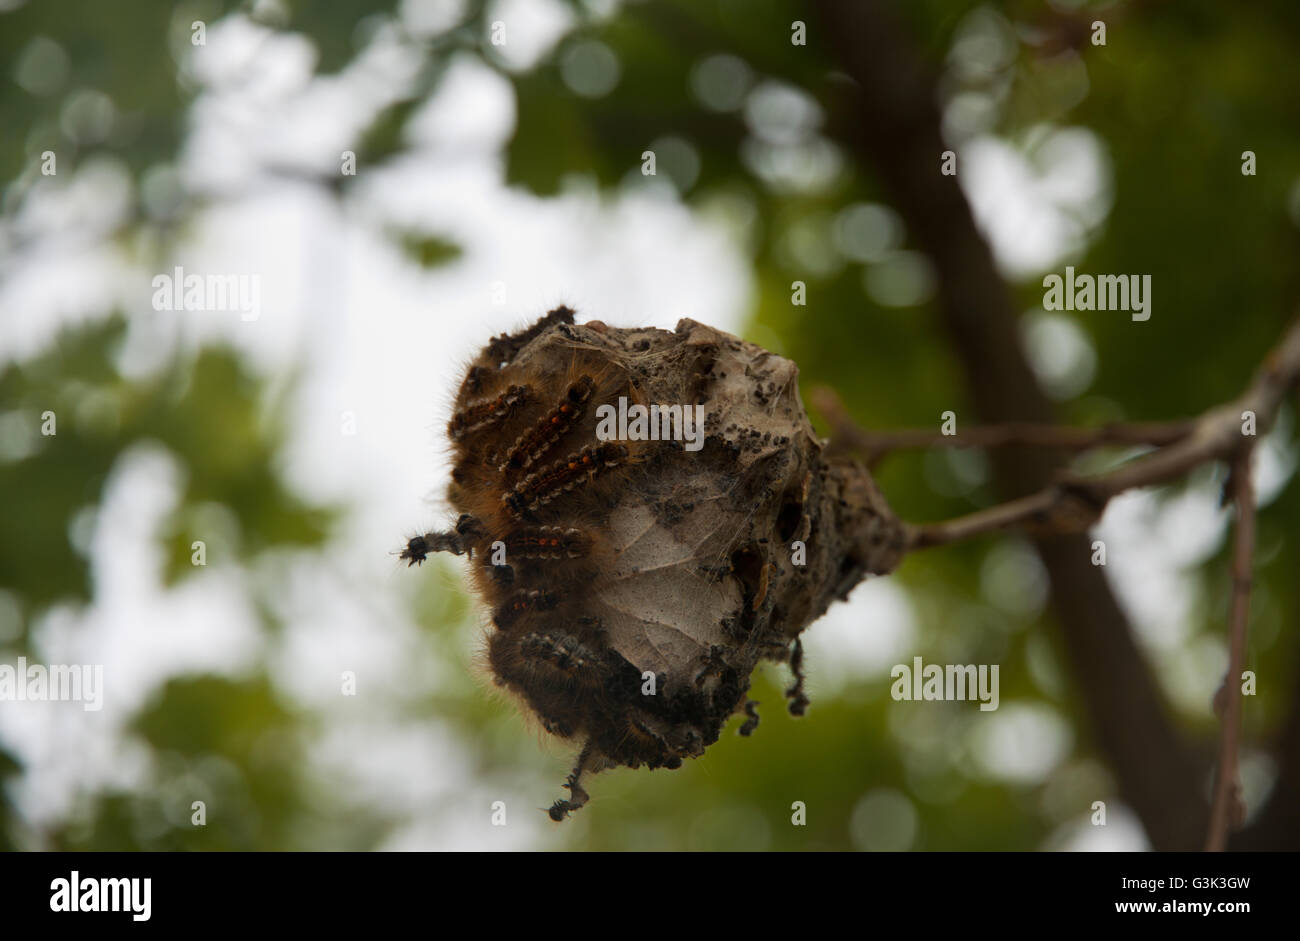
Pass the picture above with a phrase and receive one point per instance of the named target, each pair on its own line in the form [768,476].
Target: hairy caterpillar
[635,584]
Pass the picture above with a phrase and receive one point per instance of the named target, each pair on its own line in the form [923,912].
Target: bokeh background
[496,179]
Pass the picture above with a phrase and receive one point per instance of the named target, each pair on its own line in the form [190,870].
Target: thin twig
[1226,810]
[1035,507]
[1073,503]
[873,445]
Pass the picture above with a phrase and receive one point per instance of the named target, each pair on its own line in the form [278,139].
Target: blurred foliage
[217,422]
[428,251]
[1174,98]
[208,412]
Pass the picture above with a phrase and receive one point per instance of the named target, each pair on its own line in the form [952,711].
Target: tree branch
[1073,503]
[1226,809]
[890,117]
[873,445]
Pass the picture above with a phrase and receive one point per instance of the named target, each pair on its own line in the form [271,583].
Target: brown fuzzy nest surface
[635,585]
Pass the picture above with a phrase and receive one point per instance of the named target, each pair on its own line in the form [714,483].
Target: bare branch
[1073,503]
[1227,811]
[1038,508]
[873,445]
